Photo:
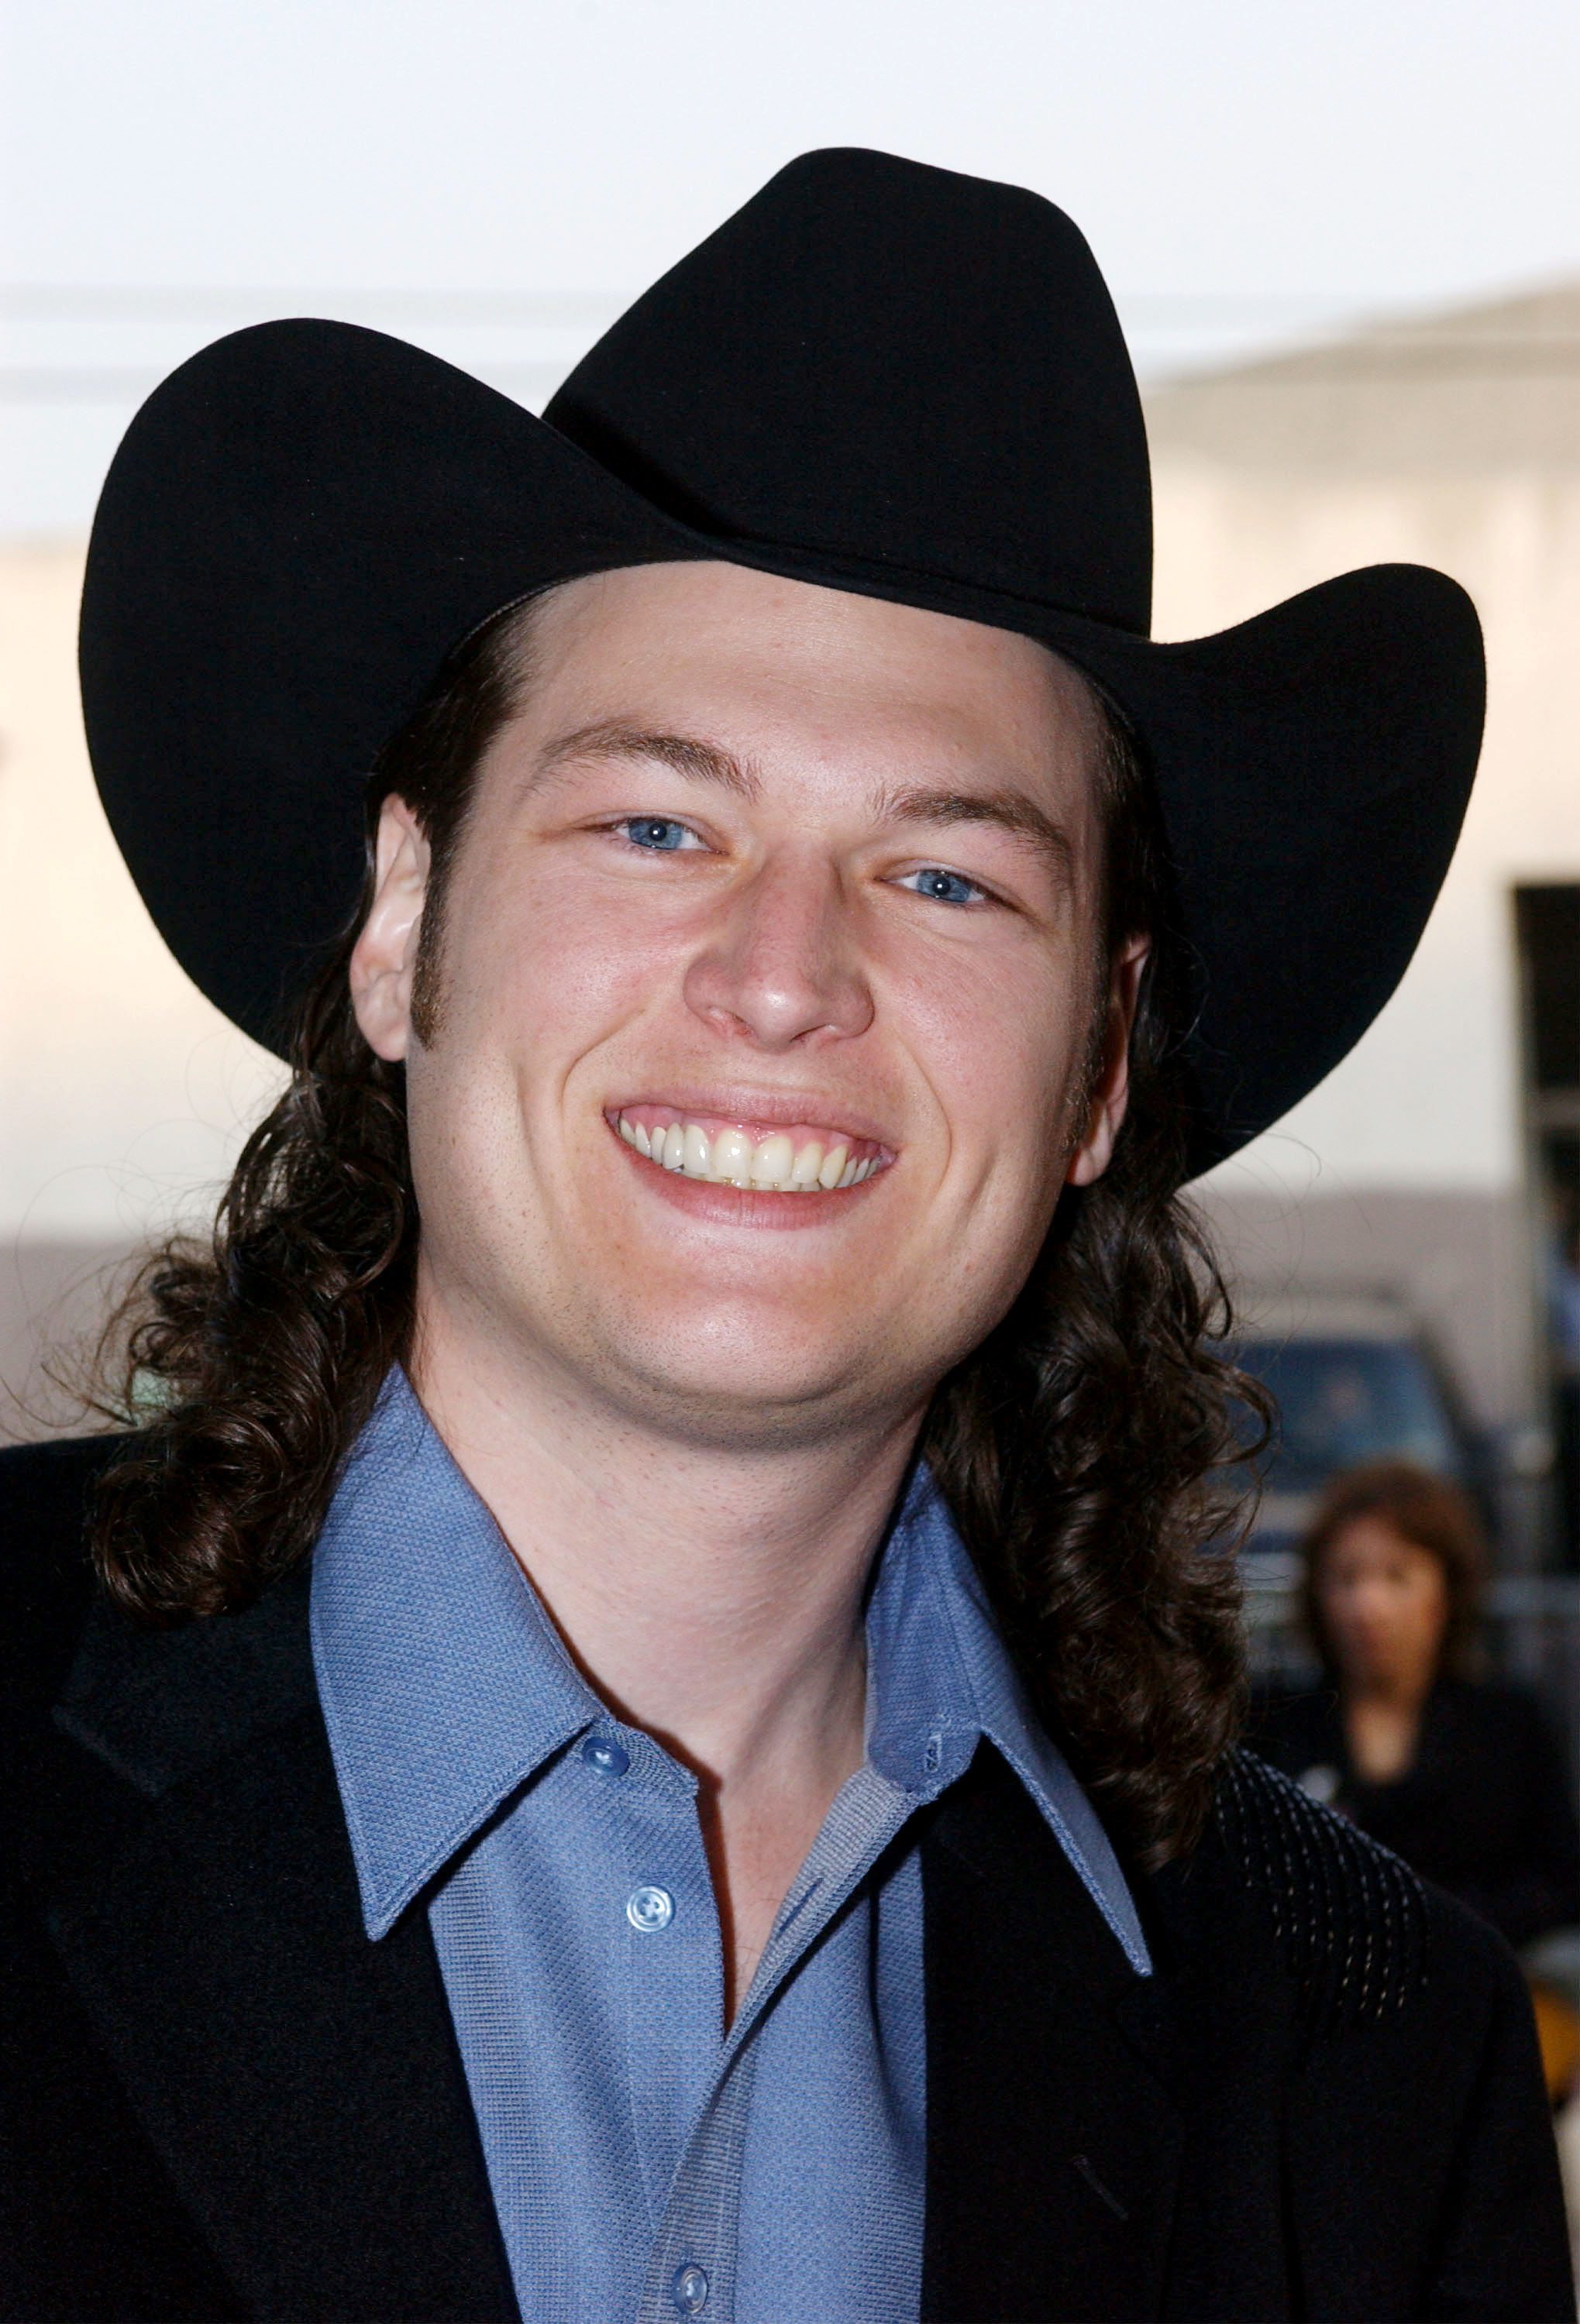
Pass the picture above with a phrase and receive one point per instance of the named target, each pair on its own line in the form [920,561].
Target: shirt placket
[692,2266]
[664,1920]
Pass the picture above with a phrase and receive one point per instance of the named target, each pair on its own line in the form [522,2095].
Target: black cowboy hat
[876,376]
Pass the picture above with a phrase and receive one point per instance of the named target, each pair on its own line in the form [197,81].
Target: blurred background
[1344,241]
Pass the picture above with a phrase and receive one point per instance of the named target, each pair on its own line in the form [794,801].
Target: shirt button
[689,2287]
[602,1752]
[648,1909]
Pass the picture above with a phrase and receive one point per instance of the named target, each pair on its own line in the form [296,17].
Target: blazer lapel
[301,2086]
[1099,2144]
[1054,2149]
[1217,2025]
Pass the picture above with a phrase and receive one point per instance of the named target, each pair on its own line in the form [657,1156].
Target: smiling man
[643,1724]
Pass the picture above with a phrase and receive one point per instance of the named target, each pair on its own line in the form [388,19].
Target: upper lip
[771,1108]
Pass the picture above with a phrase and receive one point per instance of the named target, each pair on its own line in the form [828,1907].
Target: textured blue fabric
[644,2163]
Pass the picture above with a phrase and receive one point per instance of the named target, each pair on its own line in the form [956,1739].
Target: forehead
[1373,1537]
[711,642]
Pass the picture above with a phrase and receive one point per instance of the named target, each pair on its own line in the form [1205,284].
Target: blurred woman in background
[1458,1776]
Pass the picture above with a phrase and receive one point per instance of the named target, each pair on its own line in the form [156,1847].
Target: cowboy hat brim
[308,516]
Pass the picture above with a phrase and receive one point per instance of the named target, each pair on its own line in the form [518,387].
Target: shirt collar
[444,1683]
[444,1686]
[940,1678]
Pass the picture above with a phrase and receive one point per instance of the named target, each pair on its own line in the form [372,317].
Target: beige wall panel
[1428,1098]
[121,1090]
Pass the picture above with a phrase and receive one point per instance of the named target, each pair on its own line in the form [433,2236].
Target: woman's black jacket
[1483,1809]
[220,2100]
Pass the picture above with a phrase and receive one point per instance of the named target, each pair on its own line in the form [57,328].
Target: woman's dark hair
[1431,1513]
[1082,1447]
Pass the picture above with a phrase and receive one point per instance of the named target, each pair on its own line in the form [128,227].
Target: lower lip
[740,1206]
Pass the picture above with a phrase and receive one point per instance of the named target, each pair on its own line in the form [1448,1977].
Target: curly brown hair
[1082,1447]
[1431,1513]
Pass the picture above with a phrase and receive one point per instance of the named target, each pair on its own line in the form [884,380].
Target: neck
[712,1596]
[1382,1720]
[1400,1691]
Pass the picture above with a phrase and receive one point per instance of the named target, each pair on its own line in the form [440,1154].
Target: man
[650,1728]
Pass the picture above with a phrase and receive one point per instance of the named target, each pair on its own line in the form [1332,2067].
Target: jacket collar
[300,2086]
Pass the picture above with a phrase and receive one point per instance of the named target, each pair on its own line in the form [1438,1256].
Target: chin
[739,1386]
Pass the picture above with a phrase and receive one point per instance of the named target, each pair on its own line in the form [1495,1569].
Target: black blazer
[1484,1810]
[222,2101]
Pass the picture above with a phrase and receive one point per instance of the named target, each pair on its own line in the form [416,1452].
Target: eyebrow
[704,761]
[688,754]
[1010,810]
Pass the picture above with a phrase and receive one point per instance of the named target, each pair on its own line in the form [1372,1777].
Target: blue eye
[942,886]
[657,831]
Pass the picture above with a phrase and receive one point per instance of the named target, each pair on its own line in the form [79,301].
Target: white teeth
[773,1161]
[732,1156]
[808,1162]
[732,1159]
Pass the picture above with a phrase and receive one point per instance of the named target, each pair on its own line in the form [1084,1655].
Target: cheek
[542,969]
[1432,1612]
[1002,1057]
[1009,1103]
[1343,1610]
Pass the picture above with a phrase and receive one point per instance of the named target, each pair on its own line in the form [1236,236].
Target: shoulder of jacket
[44,1490]
[46,1577]
[1350,1920]
[1495,1704]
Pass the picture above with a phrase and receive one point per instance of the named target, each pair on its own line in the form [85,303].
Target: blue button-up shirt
[646,2162]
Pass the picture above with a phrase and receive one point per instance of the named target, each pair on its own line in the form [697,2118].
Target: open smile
[789,1158]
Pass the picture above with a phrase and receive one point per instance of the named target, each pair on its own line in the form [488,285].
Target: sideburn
[427,994]
[433,764]
[1129,903]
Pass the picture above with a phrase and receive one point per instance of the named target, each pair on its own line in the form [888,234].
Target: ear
[386,953]
[1110,1092]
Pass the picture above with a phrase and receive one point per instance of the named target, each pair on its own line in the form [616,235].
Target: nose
[781,967]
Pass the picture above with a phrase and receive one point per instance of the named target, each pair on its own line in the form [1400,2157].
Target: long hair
[1081,1446]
